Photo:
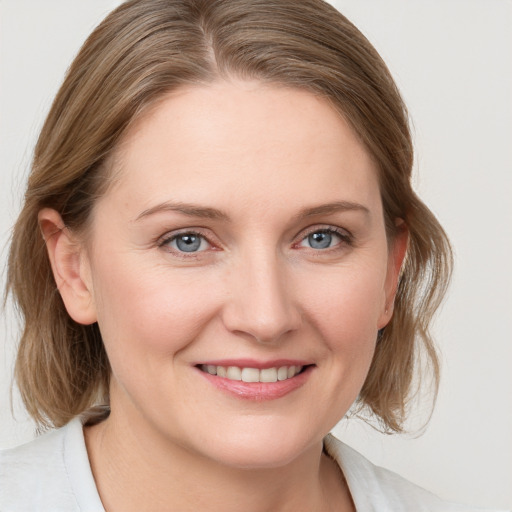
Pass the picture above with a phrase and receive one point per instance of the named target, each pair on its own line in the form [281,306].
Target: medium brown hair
[140,52]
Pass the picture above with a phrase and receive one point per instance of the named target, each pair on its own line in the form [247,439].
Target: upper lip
[253,363]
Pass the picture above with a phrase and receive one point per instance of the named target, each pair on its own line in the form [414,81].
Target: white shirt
[52,474]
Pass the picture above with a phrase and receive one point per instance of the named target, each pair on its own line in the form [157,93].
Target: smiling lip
[231,372]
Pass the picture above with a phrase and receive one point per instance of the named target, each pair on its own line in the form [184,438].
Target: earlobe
[397,254]
[70,267]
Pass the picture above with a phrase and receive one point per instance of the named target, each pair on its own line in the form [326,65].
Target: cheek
[143,312]
[345,306]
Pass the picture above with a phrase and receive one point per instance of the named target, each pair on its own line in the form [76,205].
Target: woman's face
[243,239]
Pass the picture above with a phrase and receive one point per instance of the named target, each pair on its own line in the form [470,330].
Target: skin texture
[261,156]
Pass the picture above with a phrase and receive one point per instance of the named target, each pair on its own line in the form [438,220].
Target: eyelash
[167,239]
[346,240]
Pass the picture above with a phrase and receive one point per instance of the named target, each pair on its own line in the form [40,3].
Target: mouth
[248,374]
[254,381]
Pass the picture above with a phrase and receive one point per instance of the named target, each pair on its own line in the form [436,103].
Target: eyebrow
[193,210]
[329,208]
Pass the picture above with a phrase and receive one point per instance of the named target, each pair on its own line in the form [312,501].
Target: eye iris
[320,240]
[188,243]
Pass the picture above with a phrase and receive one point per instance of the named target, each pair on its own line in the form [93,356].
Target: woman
[231,255]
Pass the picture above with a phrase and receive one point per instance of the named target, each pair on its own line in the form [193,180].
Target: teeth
[234,373]
[268,375]
[253,374]
[250,375]
[282,373]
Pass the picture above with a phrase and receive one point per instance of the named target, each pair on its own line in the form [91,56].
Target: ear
[70,267]
[396,256]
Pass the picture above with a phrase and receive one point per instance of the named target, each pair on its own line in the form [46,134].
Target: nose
[261,301]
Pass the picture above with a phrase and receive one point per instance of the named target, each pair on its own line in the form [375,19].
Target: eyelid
[347,239]
[346,236]
[171,235]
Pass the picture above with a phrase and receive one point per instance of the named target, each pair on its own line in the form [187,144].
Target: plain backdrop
[452,60]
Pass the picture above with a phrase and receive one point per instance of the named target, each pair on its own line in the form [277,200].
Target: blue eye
[188,242]
[321,239]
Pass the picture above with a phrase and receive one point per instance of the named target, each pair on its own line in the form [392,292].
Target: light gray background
[453,62]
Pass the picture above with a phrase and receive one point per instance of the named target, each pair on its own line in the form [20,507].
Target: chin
[254,450]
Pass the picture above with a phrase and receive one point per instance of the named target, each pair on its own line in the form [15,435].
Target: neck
[136,470]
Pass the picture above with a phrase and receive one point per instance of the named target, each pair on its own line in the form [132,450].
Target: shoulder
[51,472]
[375,488]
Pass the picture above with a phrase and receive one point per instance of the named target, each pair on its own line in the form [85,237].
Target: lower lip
[258,391]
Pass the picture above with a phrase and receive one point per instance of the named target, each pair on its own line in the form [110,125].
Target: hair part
[140,53]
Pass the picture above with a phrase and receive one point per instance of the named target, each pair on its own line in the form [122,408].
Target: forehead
[253,140]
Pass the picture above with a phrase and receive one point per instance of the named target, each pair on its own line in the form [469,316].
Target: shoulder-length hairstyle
[143,50]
